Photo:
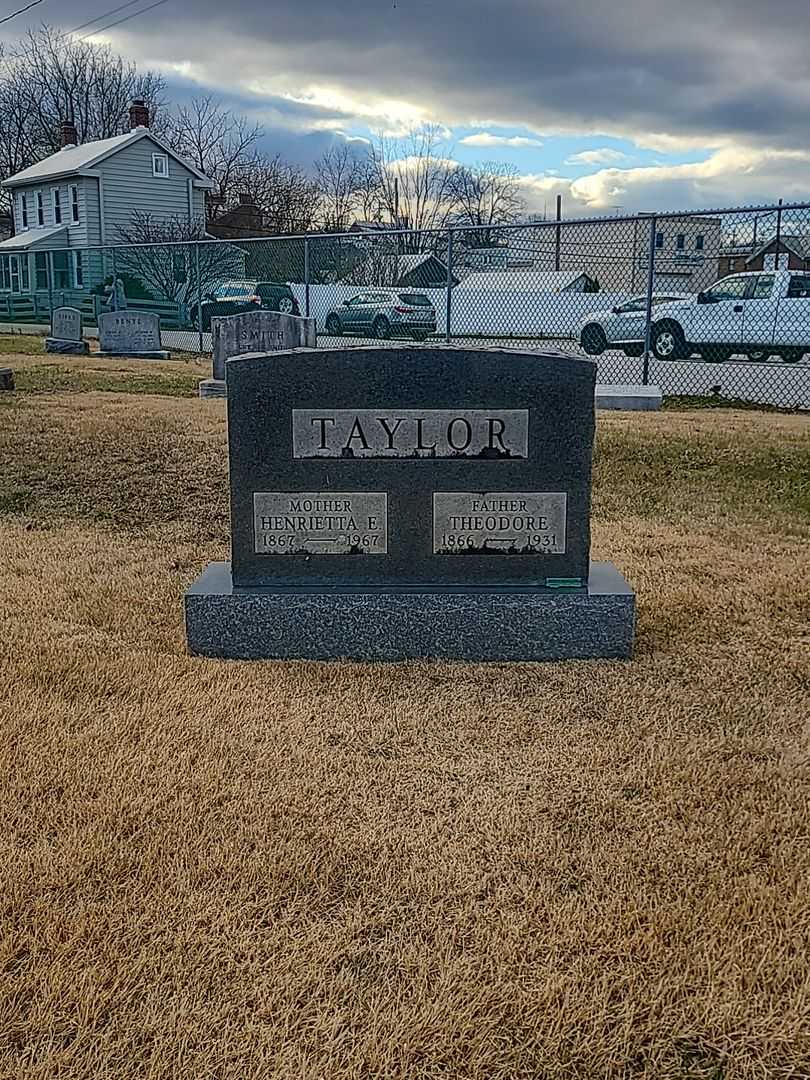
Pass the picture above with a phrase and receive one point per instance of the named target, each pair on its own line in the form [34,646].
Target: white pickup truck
[760,314]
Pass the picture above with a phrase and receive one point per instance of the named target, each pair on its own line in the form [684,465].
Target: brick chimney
[138,114]
[68,135]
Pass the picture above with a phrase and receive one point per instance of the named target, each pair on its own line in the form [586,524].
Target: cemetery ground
[227,870]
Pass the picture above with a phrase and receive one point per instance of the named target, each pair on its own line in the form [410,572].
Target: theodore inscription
[411,433]
[499,522]
[320,522]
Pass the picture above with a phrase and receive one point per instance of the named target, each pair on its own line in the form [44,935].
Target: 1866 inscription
[320,522]
[411,433]
[499,522]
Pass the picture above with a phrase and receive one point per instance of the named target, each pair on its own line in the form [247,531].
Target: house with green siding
[81,196]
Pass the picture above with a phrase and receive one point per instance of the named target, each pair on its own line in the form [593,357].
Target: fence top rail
[551,223]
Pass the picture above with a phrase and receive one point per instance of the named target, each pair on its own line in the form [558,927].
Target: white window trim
[74,204]
[78,263]
[24,218]
[155,159]
[54,193]
[39,200]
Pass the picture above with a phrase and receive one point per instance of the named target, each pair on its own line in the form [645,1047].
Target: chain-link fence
[712,303]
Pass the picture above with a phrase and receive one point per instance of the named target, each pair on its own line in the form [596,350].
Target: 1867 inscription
[320,522]
[499,522]
[411,433]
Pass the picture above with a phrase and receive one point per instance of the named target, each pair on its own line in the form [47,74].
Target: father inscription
[406,501]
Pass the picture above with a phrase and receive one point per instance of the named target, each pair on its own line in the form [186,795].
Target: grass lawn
[423,870]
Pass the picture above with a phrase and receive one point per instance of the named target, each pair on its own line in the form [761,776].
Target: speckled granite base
[406,622]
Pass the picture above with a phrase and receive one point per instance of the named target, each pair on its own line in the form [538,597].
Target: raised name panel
[320,522]
[499,522]
[477,434]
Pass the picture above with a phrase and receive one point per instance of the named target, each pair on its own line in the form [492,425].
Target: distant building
[548,281]
[80,196]
[794,254]
[413,271]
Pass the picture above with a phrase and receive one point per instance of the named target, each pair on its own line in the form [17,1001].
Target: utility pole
[557,234]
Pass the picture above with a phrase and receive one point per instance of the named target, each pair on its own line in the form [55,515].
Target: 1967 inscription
[410,433]
[320,522]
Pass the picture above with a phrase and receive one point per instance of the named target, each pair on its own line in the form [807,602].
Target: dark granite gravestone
[66,332]
[253,332]
[130,333]
[406,501]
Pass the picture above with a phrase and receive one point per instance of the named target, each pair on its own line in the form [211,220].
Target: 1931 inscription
[320,522]
[411,433]
[499,522]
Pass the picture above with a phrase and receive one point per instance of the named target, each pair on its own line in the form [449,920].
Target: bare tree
[485,195]
[48,77]
[286,196]
[339,175]
[161,256]
[222,144]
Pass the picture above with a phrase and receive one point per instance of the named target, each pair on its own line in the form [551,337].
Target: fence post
[199,294]
[306,277]
[645,378]
[778,235]
[449,298]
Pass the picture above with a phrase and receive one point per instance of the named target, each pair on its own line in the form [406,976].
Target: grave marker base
[389,623]
[62,345]
[213,388]
[157,354]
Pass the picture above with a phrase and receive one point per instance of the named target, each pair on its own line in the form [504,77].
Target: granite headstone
[253,332]
[66,332]
[131,333]
[408,502]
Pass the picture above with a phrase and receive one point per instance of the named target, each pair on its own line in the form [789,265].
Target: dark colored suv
[234,297]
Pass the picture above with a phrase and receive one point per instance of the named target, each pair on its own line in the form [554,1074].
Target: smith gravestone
[131,333]
[66,332]
[411,502]
[253,332]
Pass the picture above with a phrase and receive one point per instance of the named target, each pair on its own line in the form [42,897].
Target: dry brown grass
[222,870]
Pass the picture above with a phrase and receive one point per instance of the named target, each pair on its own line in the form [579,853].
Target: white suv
[758,314]
[622,327]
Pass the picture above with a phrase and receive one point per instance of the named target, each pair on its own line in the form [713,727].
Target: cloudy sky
[634,104]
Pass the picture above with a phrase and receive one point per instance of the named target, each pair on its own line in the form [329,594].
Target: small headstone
[253,332]
[6,378]
[403,502]
[66,332]
[130,333]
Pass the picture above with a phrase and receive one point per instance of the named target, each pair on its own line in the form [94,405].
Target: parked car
[622,327]
[384,314]
[759,314]
[234,297]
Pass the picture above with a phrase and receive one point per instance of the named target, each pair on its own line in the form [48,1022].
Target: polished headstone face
[410,465]
[129,331]
[66,324]
[257,331]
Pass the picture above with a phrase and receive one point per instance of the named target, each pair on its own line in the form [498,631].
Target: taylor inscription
[499,522]
[411,433]
[320,522]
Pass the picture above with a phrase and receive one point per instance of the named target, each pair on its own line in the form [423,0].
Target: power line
[98,18]
[126,18]
[19,11]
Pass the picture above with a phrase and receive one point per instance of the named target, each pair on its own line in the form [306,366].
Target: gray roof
[75,160]
[31,237]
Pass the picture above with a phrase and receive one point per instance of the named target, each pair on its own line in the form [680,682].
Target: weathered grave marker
[403,502]
[253,332]
[131,333]
[66,332]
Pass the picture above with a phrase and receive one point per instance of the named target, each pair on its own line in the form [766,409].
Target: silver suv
[384,313]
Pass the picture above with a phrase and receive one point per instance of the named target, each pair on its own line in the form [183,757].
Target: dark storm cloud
[708,70]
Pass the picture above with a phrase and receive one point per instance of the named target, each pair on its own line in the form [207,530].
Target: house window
[78,270]
[6,272]
[699,242]
[74,204]
[680,242]
[56,198]
[659,239]
[40,209]
[24,211]
[160,165]
[61,270]
[26,281]
[40,271]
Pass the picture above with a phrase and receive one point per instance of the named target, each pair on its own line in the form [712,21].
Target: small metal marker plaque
[499,522]
[483,434]
[320,522]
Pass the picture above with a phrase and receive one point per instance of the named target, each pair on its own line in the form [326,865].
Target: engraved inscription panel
[499,522]
[66,324]
[320,522]
[483,434]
